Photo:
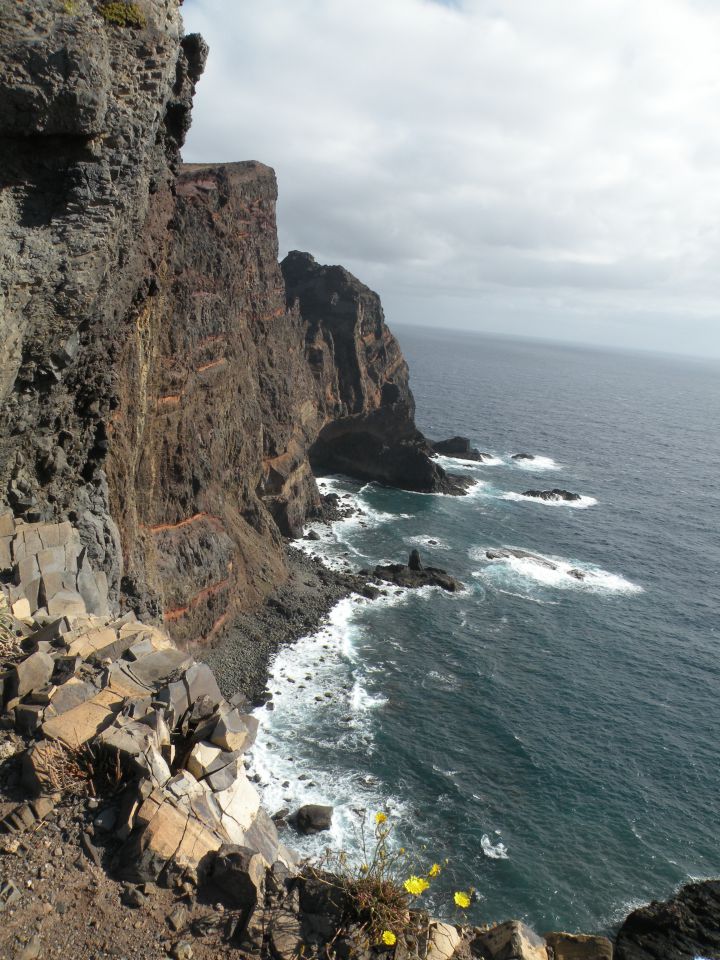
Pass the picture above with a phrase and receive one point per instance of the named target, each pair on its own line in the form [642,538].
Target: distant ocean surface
[557,739]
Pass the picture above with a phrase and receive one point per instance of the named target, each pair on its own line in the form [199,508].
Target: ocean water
[557,740]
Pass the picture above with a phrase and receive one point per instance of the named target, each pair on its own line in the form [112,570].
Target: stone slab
[575,946]
[77,726]
[66,603]
[156,668]
[7,525]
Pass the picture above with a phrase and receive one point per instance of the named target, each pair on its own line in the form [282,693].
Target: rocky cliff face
[91,119]
[367,410]
[164,384]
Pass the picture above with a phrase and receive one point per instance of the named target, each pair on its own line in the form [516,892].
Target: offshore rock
[556,494]
[682,928]
[312,818]
[460,448]
[415,575]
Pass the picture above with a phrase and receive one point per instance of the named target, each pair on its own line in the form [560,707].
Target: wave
[551,571]
[495,851]
[333,543]
[324,706]
[537,463]
[459,463]
[582,504]
[427,541]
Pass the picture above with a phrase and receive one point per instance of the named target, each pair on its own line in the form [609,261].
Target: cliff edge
[165,385]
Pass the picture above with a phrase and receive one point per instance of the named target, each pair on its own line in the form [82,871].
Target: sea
[552,742]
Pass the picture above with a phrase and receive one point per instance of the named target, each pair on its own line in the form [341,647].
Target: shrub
[385,886]
[122,14]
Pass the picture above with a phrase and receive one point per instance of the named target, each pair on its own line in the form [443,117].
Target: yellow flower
[363,868]
[434,870]
[462,900]
[389,938]
[416,885]
[380,817]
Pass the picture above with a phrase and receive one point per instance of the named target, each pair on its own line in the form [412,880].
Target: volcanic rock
[415,575]
[312,818]
[460,448]
[576,946]
[523,456]
[512,940]
[555,494]
[682,928]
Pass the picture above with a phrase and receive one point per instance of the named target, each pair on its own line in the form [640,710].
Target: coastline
[241,662]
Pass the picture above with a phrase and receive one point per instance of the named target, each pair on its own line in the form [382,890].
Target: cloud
[498,153]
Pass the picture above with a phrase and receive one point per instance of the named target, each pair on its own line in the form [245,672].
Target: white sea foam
[308,728]
[537,463]
[461,463]
[427,541]
[336,544]
[513,570]
[495,851]
[582,504]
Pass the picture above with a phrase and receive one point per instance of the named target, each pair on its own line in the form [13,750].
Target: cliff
[165,386]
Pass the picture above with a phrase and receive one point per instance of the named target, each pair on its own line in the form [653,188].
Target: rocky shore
[298,606]
[168,391]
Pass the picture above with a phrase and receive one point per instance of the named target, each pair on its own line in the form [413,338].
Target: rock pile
[120,689]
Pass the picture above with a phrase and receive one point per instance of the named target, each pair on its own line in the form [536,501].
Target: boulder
[200,682]
[576,946]
[443,940]
[235,731]
[201,757]
[32,674]
[239,804]
[523,456]
[77,726]
[512,940]
[681,928]
[237,877]
[66,603]
[312,818]
[505,553]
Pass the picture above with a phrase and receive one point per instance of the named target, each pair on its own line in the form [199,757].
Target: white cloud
[509,164]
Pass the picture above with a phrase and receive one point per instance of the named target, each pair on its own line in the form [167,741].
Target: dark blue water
[556,739]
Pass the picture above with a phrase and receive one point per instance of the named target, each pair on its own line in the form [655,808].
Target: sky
[538,168]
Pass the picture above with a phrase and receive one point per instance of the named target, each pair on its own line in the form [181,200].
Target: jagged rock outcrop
[156,388]
[685,927]
[363,379]
[459,447]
